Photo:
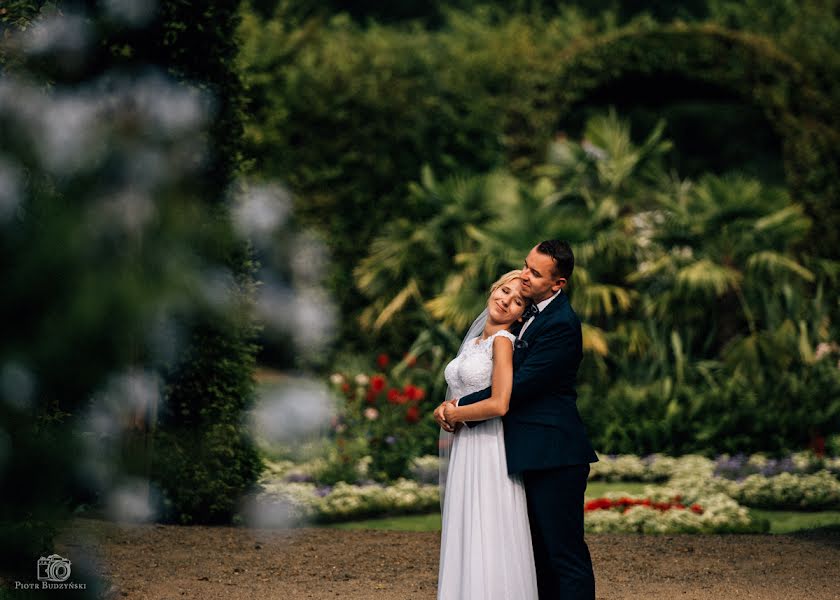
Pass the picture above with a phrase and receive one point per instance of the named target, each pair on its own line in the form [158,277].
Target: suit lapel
[544,317]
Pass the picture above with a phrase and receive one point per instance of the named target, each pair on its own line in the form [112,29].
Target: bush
[204,474]
[776,412]
[383,422]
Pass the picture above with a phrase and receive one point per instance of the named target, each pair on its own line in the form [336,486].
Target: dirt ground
[171,562]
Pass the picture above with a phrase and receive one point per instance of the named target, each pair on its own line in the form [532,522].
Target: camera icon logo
[53,568]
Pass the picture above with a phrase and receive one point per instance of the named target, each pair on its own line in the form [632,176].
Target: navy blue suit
[546,442]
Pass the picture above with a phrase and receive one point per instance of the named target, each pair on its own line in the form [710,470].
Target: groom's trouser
[555,510]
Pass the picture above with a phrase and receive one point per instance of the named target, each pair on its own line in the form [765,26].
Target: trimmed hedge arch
[750,67]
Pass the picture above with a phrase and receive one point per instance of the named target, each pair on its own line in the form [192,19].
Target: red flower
[412,415]
[345,387]
[394,397]
[597,504]
[413,392]
[377,383]
[382,360]
[818,445]
[371,397]
[626,503]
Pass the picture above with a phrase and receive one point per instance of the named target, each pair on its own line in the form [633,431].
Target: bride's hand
[441,420]
[450,413]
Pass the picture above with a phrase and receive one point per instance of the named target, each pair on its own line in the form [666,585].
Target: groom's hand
[441,420]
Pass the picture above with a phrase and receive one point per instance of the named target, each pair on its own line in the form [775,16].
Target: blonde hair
[505,279]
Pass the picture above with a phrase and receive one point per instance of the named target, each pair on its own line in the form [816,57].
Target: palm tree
[721,253]
[407,264]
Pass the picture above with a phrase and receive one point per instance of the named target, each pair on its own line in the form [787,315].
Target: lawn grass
[431,522]
[405,523]
[596,489]
[781,521]
[788,521]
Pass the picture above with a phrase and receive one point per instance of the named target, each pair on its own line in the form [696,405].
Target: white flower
[362,379]
[371,414]
[337,378]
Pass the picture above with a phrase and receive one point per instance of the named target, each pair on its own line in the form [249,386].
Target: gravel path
[157,562]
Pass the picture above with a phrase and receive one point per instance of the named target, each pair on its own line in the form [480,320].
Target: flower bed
[627,467]
[379,416]
[660,468]
[287,489]
[289,492]
[302,502]
[662,510]
[785,491]
[695,497]
[817,491]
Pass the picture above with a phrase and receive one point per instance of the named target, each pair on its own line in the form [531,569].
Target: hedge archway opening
[748,67]
[713,130]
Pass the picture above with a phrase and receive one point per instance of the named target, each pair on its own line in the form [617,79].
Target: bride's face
[506,303]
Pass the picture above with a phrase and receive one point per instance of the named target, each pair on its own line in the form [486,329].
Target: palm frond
[458,304]
[397,303]
[594,340]
[777,265]
[705,277]
[602,300]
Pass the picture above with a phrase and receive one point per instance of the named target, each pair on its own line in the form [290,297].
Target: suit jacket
[543,428]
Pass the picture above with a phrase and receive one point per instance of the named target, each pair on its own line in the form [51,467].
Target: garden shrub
[383,422]
[210,388]
[776,413]
[750,66]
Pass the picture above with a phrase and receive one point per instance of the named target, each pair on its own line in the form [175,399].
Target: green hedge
[202,459]
[749,66]
[347,116]
[775,412]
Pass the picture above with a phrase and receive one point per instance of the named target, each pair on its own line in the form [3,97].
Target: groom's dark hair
[561,252]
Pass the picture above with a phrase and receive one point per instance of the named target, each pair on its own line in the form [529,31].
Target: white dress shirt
[541,306]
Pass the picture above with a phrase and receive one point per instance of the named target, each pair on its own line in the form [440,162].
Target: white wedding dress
[485,550]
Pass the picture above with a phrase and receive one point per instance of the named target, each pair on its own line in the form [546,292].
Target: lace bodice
[472,369]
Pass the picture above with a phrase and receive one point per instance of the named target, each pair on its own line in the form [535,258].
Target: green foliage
[383,421]
[204,472]
[212,385]
[104,235]
[348,116]
[700,308]
[203,459]
[748,66]
[108,227]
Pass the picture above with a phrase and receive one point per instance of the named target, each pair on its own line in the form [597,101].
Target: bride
[486,548]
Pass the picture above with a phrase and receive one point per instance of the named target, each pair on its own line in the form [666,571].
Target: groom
[545,439]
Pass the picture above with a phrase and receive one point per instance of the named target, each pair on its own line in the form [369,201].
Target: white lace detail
[472,370]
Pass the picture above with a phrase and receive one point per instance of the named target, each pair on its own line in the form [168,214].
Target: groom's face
[539,279]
